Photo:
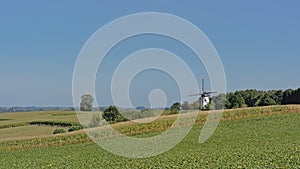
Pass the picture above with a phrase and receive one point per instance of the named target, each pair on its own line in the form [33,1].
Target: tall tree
[218,101]
[86,102]
[235,100]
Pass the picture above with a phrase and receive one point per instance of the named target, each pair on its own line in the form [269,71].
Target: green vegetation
[255,98]
[58,131]
[111,114]
[74,128]
[4,119]
[3,126]
[258,138]
[55,123]
[175,108]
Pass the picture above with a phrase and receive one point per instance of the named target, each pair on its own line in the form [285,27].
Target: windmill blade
[209,92]
[195,94]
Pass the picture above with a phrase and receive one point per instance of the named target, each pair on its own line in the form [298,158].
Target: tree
[211,105]
[250,96]
[287,96]
[266,100]
[235,100]
[111,114]
[291,96]
[86,102]
[218,102]
[278,96]
[195,105]
[175,108]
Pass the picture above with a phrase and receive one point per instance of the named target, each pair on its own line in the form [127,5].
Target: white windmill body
[205,97]
[204,101]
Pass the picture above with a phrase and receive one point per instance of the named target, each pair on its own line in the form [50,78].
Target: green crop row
[55,123]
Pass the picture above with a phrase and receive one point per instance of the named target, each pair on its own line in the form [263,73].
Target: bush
[59,130]
[74,128]
[111,114]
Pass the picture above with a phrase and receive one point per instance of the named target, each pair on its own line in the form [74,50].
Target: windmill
[204,97]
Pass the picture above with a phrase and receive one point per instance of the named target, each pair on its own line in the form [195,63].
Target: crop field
[263,137]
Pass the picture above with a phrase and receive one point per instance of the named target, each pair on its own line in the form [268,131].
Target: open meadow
[261,137]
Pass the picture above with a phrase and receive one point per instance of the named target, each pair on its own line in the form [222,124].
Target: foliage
[54,123]
[266,100]
[74,128]
[235,100]
[4,119]
[111,114]
[86,102]
[218,102]
[195,105]
[58,131]
[175,108]
[291,97]
[251,98]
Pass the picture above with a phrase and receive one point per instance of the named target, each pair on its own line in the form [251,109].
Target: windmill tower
[204,97]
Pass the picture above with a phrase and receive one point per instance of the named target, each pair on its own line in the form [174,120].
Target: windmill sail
[204,97]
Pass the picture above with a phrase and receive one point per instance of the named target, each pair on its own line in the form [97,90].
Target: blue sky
[258,43]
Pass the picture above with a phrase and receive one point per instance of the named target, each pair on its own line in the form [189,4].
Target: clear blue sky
[258,42]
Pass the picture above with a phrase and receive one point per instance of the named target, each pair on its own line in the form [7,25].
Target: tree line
[253,98]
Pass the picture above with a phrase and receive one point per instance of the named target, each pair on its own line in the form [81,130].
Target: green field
[246,138]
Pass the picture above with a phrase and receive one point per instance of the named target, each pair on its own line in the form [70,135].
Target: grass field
[42,115]
[246,138]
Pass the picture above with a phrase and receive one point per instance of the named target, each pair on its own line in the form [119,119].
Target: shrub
[111,114]
[58,130]
[54,123]
[74,128]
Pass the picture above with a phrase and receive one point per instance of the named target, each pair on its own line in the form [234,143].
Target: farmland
[262,137]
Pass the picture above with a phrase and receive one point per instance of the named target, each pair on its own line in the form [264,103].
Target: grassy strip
[64,114]
[4,119]
[3,126]
[44,142]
